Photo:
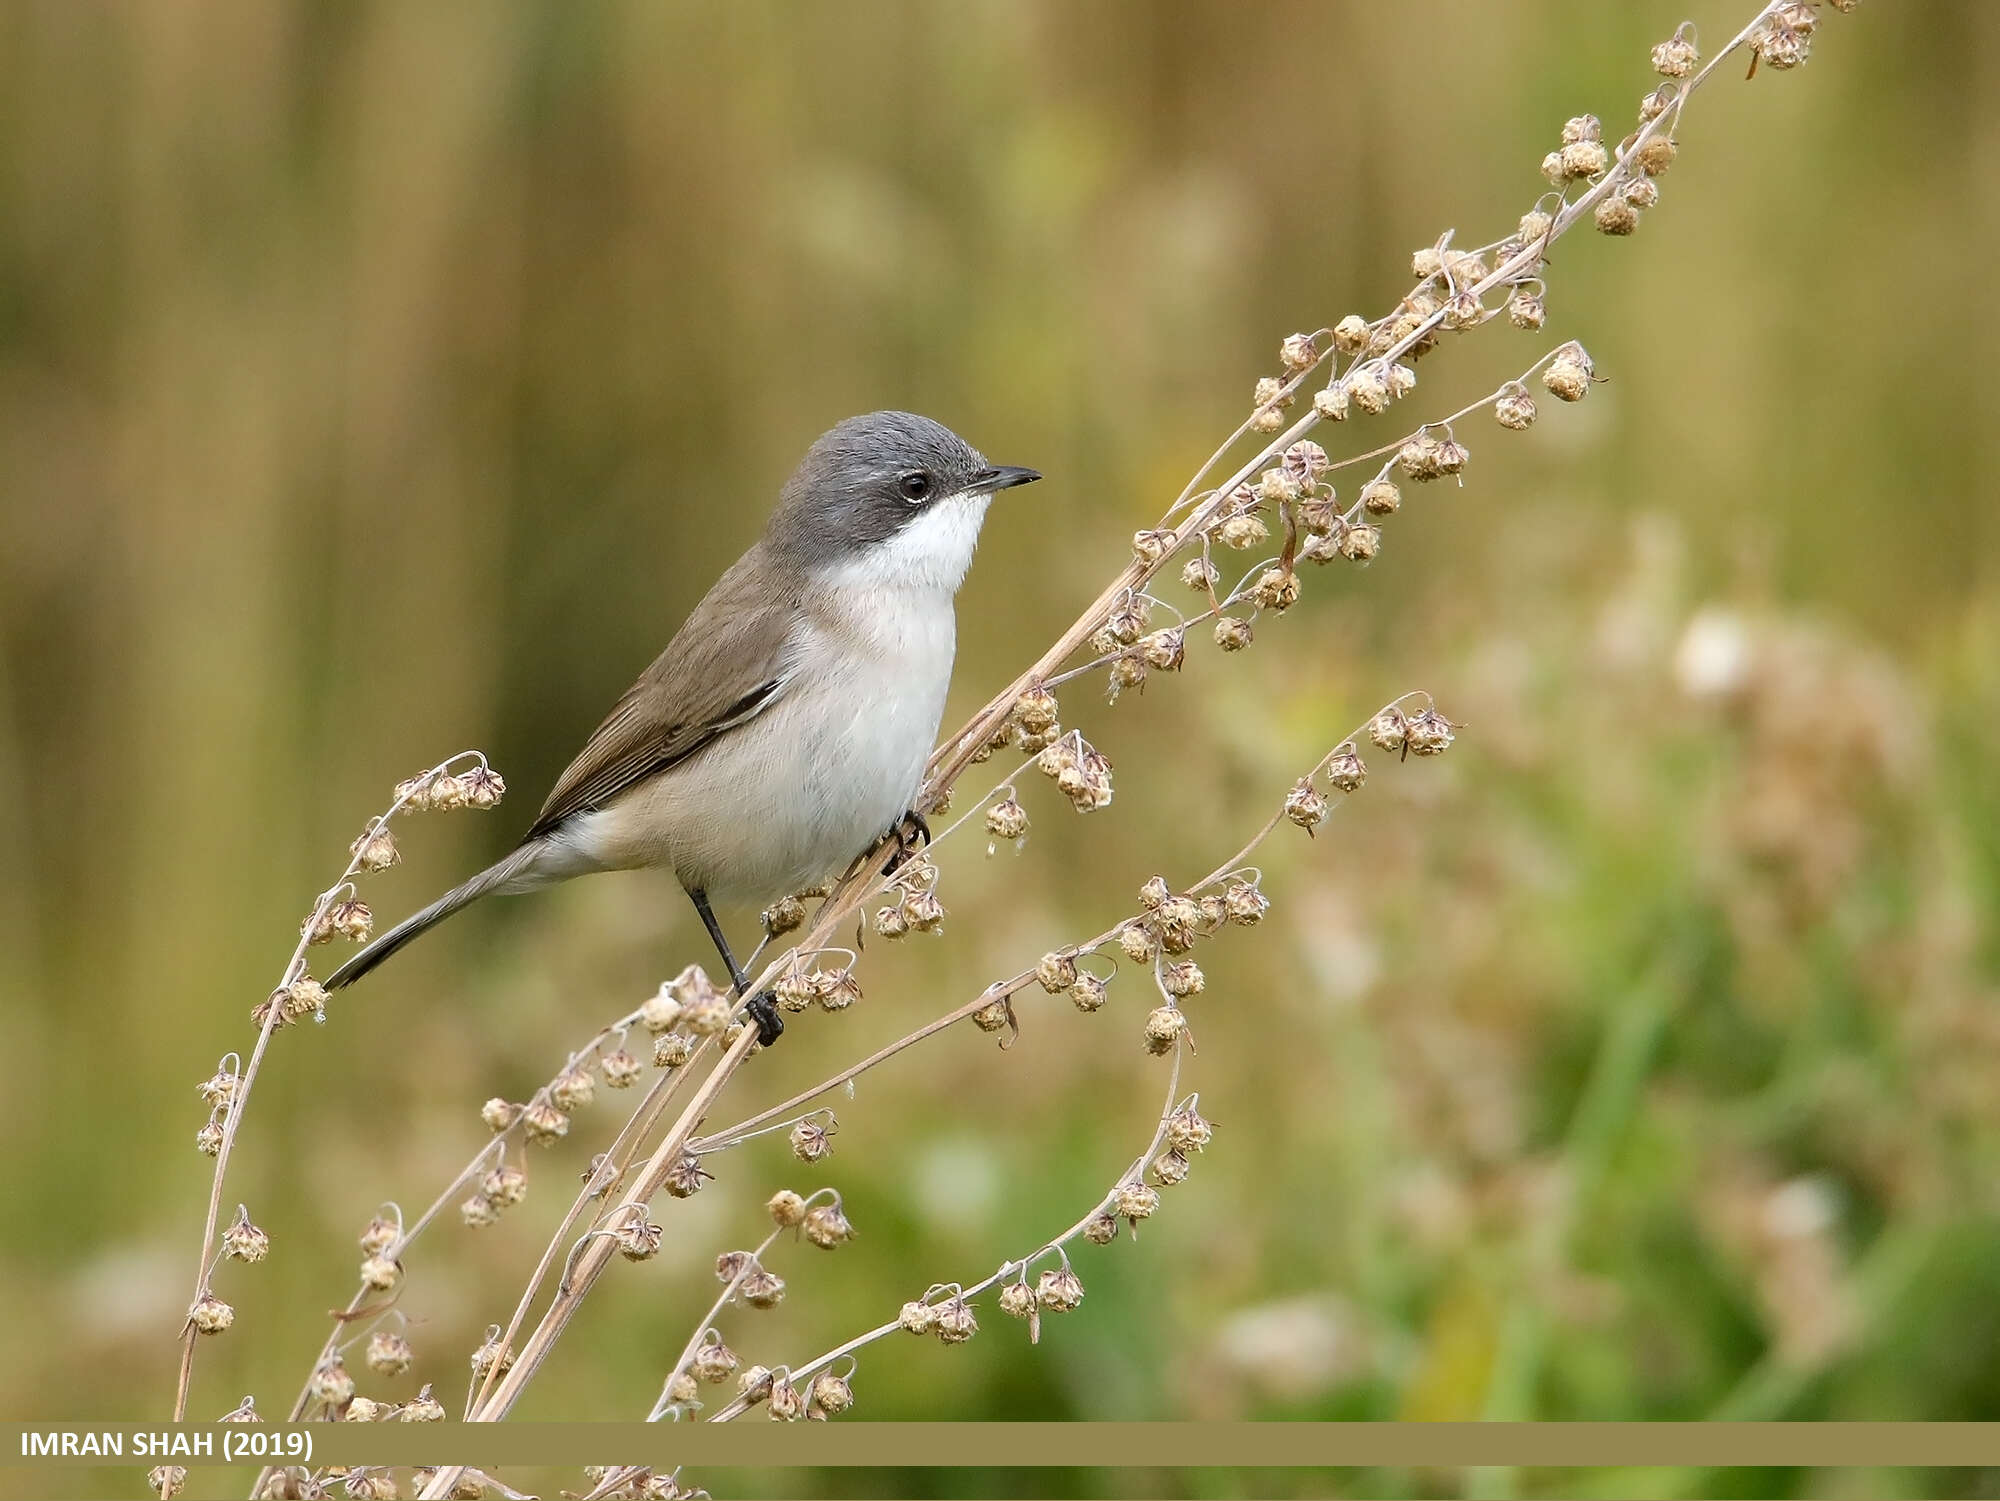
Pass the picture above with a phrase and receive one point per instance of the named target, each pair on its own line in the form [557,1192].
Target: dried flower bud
[890,922]
[827,1227]
[762,1289]
[786,1209]
[1232,634]
[1164,1025]
[1330,404]
[1360,543]
[304,996]
[1241,533]
[380,1273]
[1452,456]
[1582,159]
[1464,311]
[1187,1131]
[1676,56]
[478,1212]
[621,1070]
[243,1241]
[1088,993]
[375,849]
[1526,310]
[685,1178]
[1657,103]
[573,1089]
[1007,819]
[1379,497]
[1616,215]
[1781,46]
[918,1317]
[1168,1169]
[167,1481]
[637,1238]
[544,1123]
[1304,462]
[671,1050]
[1655,155]
[1350,334]
[1017,1301]
[1244,904]
[389,1353]
[730,1264]
[1389,728]
[1136,1201]
[714,1362]
[365,1410]
[484,787]
[682,1389]
[448,793]
[994,1016]
[954,1322]
[1059,1289]
[1177,923]
[1138,942]
[755,1384]
[1552,168]
[210,1315]
[1345,770]
[1276,486]
[1418,458]
[1056,972]
[1430,733]
[1214,911]
[1426,262]
[1182,979]
[1642,192]
[1200,575]
[427,1408]
[794,989]
[811,1141]
[1298,352]
[1515,410]
[835,989]
[705,1018]
[498,1114]
[1276,589]
[1402,381]
[831,1395]
[1151,546]
[378,1235]
[1568,375]
[1582,128]
[1369,386]
[1305,806]
[1270,392]
[787,1405]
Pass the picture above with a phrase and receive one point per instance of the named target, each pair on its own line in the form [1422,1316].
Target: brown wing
[724,666]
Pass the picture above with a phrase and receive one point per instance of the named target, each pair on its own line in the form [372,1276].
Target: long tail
[492,879]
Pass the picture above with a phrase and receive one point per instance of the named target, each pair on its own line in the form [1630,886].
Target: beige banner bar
[756,1442]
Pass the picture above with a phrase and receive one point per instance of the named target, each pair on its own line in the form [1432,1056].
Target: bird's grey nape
[865,480]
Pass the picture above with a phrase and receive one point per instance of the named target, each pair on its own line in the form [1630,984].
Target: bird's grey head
[892,498]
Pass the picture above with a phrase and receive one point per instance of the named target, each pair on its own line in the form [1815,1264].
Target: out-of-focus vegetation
[378,380]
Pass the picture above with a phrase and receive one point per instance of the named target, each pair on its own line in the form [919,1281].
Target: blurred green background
[379,380]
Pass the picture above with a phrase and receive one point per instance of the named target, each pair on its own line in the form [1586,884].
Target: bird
[785,729]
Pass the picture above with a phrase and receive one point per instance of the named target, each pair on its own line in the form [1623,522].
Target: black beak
[1005,477]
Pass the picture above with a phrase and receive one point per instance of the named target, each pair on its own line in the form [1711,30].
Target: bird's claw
[763,1010]
[912,832]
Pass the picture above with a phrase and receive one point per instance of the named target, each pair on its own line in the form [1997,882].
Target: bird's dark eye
[914,486]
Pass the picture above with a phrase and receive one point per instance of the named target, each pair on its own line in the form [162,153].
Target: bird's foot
[912,832]
[763,1010]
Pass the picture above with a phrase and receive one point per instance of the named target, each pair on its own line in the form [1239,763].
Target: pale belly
[787,800]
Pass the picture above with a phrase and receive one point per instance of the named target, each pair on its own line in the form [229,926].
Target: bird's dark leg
[909,829]
[762,1009]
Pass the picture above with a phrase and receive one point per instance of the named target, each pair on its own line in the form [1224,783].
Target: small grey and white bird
[785,728]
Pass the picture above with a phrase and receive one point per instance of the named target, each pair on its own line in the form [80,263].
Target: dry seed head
[544,1123]
[787,1406]
[167,1481]
[498,1114]
[1350,334]
[1214,911]
[1567,376]
[210,1315]
[1305,461]
[1241,533]
[448,793]
[1677,55]
[243,1241]
[1369,386]
[1126,672]
[1276,486]
[1151,546]
[1430,733]
[1426,262]
[219,1088]
[783,916]
[1177,923]
[208,1140]
[1656,103]
[993,1016]
[811,1141]
[729,1263]
[1136,1201]
[1169,1168]
[1128,621]
[1276,589]
[375,849]
[1464,311]
[1270,392]
[918,1317]
[1165,649]
[389,1353]
[1056,972]
[827,1227]
[1139,942]
[685,1178]
[1305,806]
[786,1209]
[835,989]
[714,1362]
[1642,192]
[662,1011]
[1582,128]
[955,1322]
[1036,709]
[1188,1131]
[1330,404]
[1418,458]
[573,1089]
[890,922]
[1298,352]
[1319,513]
[427,1408]
[1017,1301]
[1467,267]
[1389,728]
[364,1410]
[1182,979]
[762,1289]
[1245,904]
[1534,224]
[1583,159]
[1526,310]
[637,1238]
[330,1382]
[682,1389]
[1782,46]
[1655,156]
[304,996]
[378,1235]
[1379,497]
[1101,1228]
[794,989]
[1360,543]
[1233,634]
[380,1273]
[1515,410]
[1402,381]
[707,1017]
[1200,575]
[621,1069]
[504,1187]
[484,787]
[1616,215]
[1164,1025]
[1452,456]
[1059,1289]
[316,926]
[672,1050]
[1088,993]
[1552,168]
[830,1394]
[477,1213]
[755,1384]
[1346,770]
